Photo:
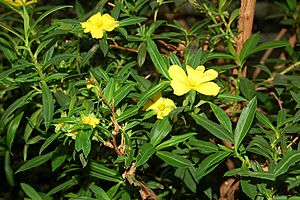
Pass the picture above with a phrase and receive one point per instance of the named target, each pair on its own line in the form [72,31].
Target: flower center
[162,106]
[191,83]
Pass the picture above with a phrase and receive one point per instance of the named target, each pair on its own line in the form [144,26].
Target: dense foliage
[147,99]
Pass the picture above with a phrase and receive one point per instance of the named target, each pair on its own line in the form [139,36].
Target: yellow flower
[91,120]
[18,3]
[196,79]
[98,23]
[162,106]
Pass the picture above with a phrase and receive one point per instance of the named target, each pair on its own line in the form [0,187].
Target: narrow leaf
[12,130]
[146,95]
[145,152]
[288,160]
[30,192]
[62,186]
[244,122]
[174,159]
[36,161]
[131,21]
[157,59]
[213,128]
[222,117]
[210,163]
[48,105]
[174,141]
[160,130]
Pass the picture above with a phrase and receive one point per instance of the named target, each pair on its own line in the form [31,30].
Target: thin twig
[115,45]
[113,117]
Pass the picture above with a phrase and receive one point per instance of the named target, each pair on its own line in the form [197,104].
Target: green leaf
[103,46]
[244,122]
[109,90]
[222,117]
[195,60]
[249,46]
[264,120]
[4,26]
[269,45]
[34,120]
[99,191]
[100,168]
[157,59]
[148,94]
[228,96]
[83,142]
[212,127]
[104,177]
[145,152]
[100,74]
[174,140]
[212,56]
[113,190]
[128,113]
[247,88]
[174,159]
[87,56]
[12,130]
[48,104]
[288,160]
[142,54]
[36,161]
[174,59]
[41,46]
[122,92]
[131,21]
[160,130]
[48,141]
[62,186]
[9,173]
[14,106]
[48,12]
[30,192]
[249,189]
[210,163]
[59,157]
[203,146]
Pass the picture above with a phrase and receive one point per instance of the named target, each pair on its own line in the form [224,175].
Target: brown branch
[245,22]
[145,191]
[113,118]
[115,45]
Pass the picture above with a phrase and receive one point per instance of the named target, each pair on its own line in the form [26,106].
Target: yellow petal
[96,18]
[208,88]
[155,104]
[180,88]
[177,73]
[179,80]
[97,34]
[208,75]
[194,74]
[169,103]
[108,22]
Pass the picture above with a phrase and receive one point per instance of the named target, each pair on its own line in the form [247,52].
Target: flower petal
[155,104]
[169,103]
[180,88]
[208,75]
[208,88]
[97,34]
[177,73]
[194,74]
[108,22]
